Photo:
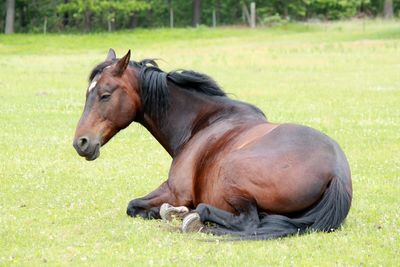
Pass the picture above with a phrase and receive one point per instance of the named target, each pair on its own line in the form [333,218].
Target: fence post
[171,14]
[214,18]
[253,15]
[45,25]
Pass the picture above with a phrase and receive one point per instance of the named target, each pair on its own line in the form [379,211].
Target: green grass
[56,208]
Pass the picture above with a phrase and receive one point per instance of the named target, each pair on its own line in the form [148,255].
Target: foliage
[85,10]
[334,9]
[274,20]
[95,15]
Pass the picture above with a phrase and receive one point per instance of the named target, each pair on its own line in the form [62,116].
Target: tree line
[100,15]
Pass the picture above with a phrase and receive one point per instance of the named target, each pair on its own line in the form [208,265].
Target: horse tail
[327,215]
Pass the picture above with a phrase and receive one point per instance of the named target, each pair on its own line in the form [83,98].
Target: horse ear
[111,55]
[122,64]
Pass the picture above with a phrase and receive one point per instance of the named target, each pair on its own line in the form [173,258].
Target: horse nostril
[83,143]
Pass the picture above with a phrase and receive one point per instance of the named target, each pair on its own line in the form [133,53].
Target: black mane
[154,84]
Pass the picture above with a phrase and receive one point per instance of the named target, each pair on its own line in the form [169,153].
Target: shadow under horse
[250,178]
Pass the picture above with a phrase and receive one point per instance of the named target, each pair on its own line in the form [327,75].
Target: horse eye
[105,97]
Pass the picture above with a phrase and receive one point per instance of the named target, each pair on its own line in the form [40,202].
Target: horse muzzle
[88,147]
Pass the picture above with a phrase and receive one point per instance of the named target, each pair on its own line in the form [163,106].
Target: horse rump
[326,216]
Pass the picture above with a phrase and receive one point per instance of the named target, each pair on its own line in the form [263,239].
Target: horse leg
[169,212]
[227,223]
[148,207]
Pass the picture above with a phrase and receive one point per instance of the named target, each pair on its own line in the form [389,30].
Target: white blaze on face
[92,85]
[95,79]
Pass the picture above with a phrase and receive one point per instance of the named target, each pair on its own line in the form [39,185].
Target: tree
[83,11]
[10,17]
[65,17]
[388,9]
[88,15]
[196,15]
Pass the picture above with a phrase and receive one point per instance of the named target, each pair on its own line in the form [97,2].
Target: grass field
[56,208]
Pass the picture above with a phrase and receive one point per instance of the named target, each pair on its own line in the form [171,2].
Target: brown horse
[230,167]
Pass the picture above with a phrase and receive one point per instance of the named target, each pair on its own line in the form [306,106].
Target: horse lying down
[231,167]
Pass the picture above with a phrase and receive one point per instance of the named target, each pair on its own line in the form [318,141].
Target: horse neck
[188,113]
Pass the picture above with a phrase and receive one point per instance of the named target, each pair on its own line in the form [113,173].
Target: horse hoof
[192,224]
[168,212]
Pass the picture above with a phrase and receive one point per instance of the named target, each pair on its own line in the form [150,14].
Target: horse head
[112,103]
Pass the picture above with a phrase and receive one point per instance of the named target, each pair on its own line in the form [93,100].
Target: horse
[233,172]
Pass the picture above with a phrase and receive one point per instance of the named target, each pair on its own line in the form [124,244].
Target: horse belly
[285,171]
